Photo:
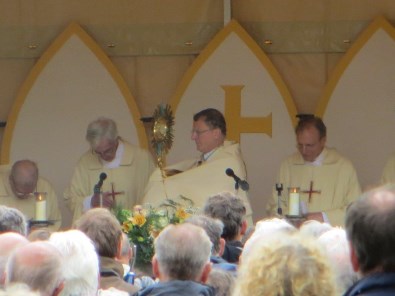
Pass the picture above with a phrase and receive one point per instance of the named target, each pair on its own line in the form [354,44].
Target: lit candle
[41,207]
[293,209]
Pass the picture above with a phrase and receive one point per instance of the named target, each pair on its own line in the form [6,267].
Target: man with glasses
[326,180]
[17,188]
[203,176]
[120,169]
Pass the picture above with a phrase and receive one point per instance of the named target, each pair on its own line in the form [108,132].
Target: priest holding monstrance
[207,174]
[326,181]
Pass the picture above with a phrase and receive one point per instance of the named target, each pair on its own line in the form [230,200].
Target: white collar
[318,161]
[116,162]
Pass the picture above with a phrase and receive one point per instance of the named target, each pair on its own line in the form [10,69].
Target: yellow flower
[138,219]
[181,214]
[127,226]
[137,209]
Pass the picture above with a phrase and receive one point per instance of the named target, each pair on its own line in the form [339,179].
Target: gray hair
[370,224]
[80,263]
[182,251]
[101,128]
[213,228]
[45,275]
[314,228]
[222,281]
[12,220]
[228,208]
[338,250]
[101,226]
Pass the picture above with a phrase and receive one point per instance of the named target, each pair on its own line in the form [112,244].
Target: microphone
[99,184]
[243,184]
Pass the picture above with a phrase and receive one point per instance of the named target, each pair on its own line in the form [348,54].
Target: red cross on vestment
[113,193]
[311,191]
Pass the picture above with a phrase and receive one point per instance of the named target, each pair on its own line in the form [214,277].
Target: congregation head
[13,220]
[285,264]
[337,248]
[370,224]
[213,228]
[103,228]
[264,229]
[38,265]
[182,252]
[228,208]
[9,241]
[80,263]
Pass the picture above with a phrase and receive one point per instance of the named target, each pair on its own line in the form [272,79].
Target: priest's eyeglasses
[198,133]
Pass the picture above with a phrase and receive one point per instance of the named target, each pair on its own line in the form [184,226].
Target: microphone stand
[279,189]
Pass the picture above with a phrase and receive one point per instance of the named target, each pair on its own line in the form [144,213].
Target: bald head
[23,177]
[9,241]
[37,264]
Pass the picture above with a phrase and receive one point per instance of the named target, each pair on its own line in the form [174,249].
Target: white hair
[80,263]
[314,228]
[263,229]
[338,250]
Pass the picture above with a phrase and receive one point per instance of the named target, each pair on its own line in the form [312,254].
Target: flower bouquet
[144,223]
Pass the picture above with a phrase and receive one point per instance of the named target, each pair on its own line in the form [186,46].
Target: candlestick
[41,206]
[293,209]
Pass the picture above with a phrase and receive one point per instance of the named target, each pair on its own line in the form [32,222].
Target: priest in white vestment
[389,171]
[326,180]
[203,176]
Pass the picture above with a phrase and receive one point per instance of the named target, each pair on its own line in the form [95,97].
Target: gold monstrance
[162,134]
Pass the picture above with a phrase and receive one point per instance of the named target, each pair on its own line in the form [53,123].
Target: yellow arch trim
[235,27]
[379,23]
[72,29]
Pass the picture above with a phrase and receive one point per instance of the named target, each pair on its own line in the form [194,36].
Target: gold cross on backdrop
[237,124]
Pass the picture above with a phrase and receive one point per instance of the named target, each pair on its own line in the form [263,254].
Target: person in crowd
[370,230]
[338,249]
[13,220]
[263,229]
[101,226]
[112,166]
[205,175]
[80,262]
[38,265]
[231,210]
[214,229]
[314,228]
[9,241]
[285,264]
[181,262]
[222,281]
[326,180]
[18,187]
[18,289]
[40,234]
[388,175]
